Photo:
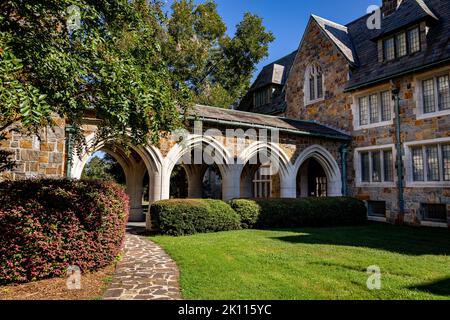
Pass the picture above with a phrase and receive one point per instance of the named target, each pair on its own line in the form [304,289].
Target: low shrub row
[297,213]
[184,217]
[48,225]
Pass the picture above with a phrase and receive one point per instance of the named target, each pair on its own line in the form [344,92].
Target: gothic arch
[328,163]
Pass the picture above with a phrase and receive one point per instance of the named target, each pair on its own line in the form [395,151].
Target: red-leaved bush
[49,225]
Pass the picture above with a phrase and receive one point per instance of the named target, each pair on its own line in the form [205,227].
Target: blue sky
[287,19]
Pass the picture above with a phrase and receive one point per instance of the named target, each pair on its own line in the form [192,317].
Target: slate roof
[253,120]
[370,71]
[273,74]
[276,74]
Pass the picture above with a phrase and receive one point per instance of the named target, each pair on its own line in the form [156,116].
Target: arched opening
[196,182]
[318,174]
[123,165]
[312,180]
[179,183]
[260,180]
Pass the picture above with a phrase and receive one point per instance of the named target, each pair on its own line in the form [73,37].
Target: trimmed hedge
[186,217]
[48,225]
[296,213]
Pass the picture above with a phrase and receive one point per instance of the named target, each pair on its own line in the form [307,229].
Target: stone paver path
[146,272]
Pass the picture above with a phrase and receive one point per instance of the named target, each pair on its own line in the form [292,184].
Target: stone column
[231,182]
[288,184]
[135,189]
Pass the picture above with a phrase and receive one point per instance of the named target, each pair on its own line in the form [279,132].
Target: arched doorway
[312,180]
[318,174]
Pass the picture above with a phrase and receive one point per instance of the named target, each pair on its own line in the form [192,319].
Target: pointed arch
[328,163]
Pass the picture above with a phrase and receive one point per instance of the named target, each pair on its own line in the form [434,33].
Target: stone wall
[37,156]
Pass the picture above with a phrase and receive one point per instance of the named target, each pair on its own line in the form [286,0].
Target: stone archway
[136,162]
[196,154]
[269,162]
[328,164]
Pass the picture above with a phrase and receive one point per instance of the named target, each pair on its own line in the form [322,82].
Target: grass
[314,264]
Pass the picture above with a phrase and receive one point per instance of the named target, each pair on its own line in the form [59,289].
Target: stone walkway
[146,272]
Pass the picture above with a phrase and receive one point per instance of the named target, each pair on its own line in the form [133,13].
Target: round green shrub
[48,225]
[186,217]
[247,210]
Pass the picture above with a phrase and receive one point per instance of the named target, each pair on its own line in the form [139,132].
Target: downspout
[69,144]
[344,151]
[401,199]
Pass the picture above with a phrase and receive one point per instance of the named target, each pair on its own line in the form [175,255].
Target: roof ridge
[330,21]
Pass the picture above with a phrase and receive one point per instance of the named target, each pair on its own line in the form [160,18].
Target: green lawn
[313,263]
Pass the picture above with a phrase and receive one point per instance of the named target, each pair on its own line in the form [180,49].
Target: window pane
[388,166]
[401,44]
[363,111]
[446,161]
[389,49]
[374,114]
[365,169]
[433,163]
[312,89]
[319,86]
[414,40]
[444,93]
[428,96]
[418,166]
[376,167]
[386,106]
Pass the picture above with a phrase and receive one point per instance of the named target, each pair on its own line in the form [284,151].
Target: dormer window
[414,40]
[262,97]
[401,44]
[313,84]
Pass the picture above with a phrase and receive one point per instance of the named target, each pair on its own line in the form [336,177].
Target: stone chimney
[389,7]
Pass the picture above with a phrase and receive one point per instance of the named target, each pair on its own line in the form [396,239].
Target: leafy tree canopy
[216,67]
[110,66]
[126,63]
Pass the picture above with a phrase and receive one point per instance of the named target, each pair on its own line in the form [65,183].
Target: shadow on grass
[441,287]
[395,239]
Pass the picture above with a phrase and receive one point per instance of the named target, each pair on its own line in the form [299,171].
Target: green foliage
[247,210]
[298,213]
[184,217]
[216,67]
[112,64]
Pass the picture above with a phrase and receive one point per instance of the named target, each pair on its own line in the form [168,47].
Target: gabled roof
[408,13]
[254,120]
[339,35]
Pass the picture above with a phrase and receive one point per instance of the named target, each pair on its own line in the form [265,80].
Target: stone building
[361,109]
[351,77]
